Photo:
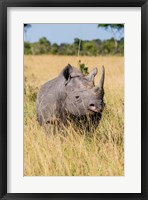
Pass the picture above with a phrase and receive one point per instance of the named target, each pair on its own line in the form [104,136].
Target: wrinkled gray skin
[71,94]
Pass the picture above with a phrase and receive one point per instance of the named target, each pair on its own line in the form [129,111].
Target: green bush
[81,47]
[83,68]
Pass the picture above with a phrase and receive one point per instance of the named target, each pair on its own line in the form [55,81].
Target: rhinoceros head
[82,96]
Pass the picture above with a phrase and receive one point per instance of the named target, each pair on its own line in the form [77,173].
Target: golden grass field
[76,153]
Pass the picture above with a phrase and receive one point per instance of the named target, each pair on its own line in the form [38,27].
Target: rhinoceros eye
[77,97]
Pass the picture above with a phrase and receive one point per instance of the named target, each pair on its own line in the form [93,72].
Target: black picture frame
[4,4]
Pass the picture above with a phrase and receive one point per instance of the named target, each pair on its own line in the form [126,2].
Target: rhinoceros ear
[67,71]
[92,74]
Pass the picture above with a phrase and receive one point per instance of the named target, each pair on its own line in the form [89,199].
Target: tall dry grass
[75,153]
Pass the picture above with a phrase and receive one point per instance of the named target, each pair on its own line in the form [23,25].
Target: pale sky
[65,33]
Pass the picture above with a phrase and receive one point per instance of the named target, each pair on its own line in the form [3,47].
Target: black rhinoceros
[71,94]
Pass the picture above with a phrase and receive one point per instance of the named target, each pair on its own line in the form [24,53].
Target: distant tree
[90,48]
[54,48]
[97,41]
[76,41]
[27,48]
[26,26]
[115,29]
[121,46]
[78,44]
[109,47]
[44,41]
[43,46]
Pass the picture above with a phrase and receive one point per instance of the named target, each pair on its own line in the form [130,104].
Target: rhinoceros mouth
[94,110]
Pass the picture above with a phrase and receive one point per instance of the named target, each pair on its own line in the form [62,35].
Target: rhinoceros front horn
[102,78]
[100,86]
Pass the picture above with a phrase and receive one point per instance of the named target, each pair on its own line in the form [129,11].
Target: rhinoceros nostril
[93,108]
[92,105]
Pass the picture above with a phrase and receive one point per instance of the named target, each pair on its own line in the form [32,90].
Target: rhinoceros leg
[54,126]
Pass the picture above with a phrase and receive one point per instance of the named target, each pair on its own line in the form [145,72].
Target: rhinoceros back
[48,107]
